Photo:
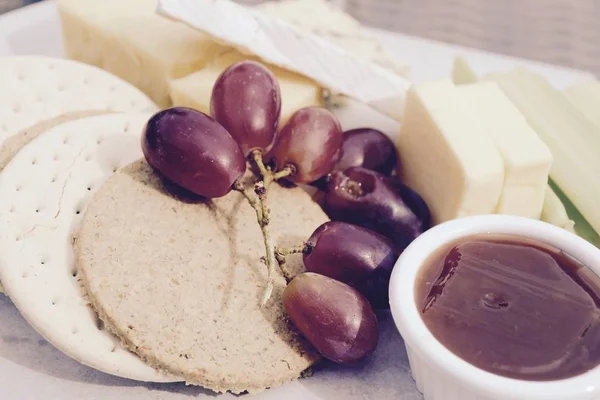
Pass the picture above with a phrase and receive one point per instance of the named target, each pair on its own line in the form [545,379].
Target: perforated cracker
[36,88]
[44,193]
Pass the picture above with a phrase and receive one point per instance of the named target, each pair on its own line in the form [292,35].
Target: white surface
[441,374]
[31,369]
[44,196]
[36,88]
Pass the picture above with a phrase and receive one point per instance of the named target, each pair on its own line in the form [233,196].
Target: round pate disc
[180,282]
[44,192]
[36,88]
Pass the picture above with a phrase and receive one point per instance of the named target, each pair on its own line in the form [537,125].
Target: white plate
[31,369]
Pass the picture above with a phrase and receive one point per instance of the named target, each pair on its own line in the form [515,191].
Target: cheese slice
[586,97]
[527,160]
[195,90]
[445,154]
[127,38]
[571,137]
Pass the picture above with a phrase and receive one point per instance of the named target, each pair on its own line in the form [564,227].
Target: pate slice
[44,190]
[180,282]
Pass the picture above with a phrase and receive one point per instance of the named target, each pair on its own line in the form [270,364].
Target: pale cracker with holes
[180,282]
[45,190]
[37,89]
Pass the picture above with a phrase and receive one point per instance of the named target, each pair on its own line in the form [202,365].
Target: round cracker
[45,190]
[37,88]
[180,282]
[13,144]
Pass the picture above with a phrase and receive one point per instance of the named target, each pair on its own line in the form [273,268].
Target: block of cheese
[195,90]
[572,138]
[445,154]
[130,40]
[527,160]
[586,97]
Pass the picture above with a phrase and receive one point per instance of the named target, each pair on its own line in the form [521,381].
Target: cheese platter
[115,277]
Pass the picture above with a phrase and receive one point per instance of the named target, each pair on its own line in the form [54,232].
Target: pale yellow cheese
[462,72]
[572,138]
[445,154]
[195,90]
[586,97]
[127,38]
[527,160]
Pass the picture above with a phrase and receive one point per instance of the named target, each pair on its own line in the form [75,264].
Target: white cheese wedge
[571,137]
[527,160]
[127,38]
[282,44]
[329,22]
[445,154]
[195,90]
[586,97]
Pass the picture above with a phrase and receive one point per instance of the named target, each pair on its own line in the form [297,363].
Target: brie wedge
[446,155]
[329,22]
[284,45]
[527,160]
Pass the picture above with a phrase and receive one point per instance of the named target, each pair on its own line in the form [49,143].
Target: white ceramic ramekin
[441,375]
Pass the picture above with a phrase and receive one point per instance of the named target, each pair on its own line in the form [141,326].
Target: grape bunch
[374,216]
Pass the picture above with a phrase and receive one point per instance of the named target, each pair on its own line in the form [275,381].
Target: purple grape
[367,148]
[334,317]
[310,142]
[354,255]
[371,200]
[192,150]
[246,100]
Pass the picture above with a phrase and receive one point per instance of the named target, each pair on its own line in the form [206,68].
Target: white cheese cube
[445,154]
[127,38]
[527,160]
[195,90]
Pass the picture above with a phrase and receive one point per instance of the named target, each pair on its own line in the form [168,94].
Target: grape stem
[284,172]
[273,258]
[265,172]
[280,254]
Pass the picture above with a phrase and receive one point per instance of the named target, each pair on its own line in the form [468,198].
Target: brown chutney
[512,306]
